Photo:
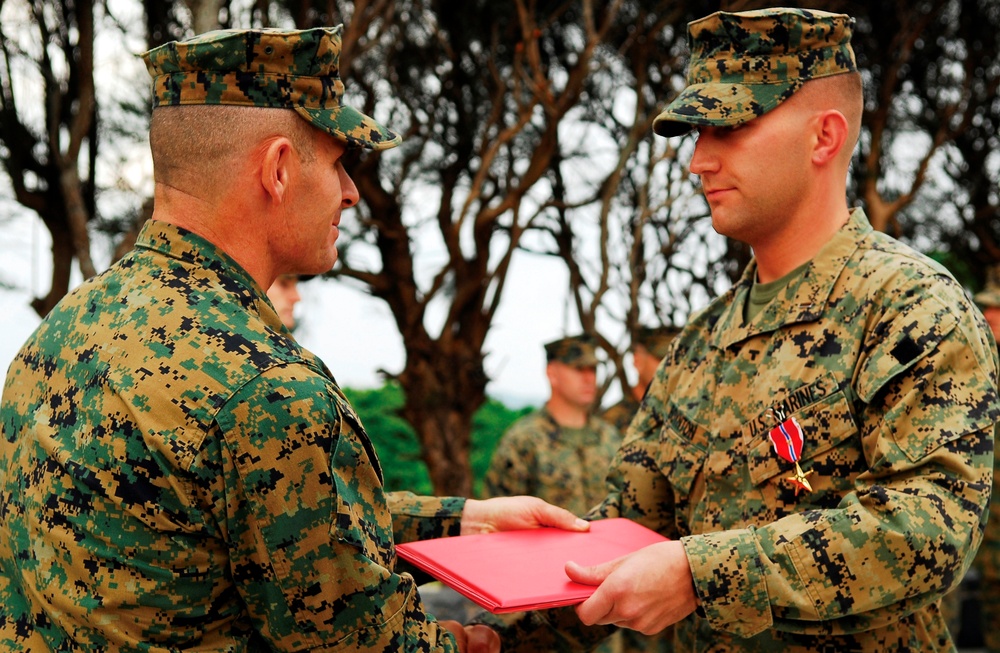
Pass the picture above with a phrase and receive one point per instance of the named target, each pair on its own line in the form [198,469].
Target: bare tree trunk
[443,391]
[62,264]
[204,14]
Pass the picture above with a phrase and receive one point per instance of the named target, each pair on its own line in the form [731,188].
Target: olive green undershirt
[761,294]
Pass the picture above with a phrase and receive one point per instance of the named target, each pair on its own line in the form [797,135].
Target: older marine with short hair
[818,443]
[176,472]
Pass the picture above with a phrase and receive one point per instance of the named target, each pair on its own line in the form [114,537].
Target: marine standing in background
[988,559]
[561,451]
[284,295]
[818,443]
[176,472]
[648,348]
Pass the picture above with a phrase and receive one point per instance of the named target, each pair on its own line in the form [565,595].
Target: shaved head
[845,93]
[199,144]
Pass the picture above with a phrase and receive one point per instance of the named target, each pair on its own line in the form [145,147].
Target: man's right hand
[646,590]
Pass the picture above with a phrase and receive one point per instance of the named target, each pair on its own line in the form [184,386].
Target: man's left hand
[516,513]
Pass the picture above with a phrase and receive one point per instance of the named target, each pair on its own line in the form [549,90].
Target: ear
[275,169]
[831,136]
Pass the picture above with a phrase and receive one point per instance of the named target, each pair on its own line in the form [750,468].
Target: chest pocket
[831,451]
[362,520]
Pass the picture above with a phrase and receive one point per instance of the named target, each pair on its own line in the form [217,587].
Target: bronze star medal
[786,438]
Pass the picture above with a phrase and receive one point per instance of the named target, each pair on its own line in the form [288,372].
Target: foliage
[397,445]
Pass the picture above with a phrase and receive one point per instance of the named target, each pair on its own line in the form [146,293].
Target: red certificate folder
[525,570]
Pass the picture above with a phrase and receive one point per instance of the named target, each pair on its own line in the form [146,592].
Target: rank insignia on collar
[786,438]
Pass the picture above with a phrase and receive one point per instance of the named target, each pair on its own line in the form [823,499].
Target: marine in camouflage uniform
[176,472]
[988,559]
[871,348]
[649,343]
[540,457]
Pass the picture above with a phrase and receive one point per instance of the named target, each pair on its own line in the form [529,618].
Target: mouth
[712,194]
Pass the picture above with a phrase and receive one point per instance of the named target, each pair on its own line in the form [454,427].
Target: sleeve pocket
[682,453]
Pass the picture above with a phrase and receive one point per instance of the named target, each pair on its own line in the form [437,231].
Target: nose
[704,159]
[349,191]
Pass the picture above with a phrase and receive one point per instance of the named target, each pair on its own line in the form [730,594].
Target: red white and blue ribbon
[787,440]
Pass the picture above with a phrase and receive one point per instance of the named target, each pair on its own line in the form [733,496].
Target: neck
[567,414]
[228,224]
[804,235]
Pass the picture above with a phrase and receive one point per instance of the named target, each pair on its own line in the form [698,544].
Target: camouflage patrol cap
[655,340]
[281,69]
[747,63]
[575,351]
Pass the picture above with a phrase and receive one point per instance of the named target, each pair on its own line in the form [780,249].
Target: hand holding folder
[521,570]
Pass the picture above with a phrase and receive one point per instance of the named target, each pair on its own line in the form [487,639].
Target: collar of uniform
[191,249]
[586,434]
[803,300]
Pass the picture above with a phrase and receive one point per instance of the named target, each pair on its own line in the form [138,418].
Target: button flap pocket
[825,425]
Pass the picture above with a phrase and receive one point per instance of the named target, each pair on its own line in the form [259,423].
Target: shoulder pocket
[901,339]
[362,516]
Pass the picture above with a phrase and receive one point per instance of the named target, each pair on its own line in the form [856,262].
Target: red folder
[525,570]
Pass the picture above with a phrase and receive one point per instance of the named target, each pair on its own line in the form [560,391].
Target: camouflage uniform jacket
[176,473]
[565,466]
[877,354]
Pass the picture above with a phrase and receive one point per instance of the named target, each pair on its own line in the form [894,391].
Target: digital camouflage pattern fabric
[575,351]
[565,466]
[745,64]
[875,352]
[298,70]
[176,473]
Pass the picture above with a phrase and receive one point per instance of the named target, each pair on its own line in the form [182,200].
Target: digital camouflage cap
[575,351]
[280,69]
[747,63]
[655,340]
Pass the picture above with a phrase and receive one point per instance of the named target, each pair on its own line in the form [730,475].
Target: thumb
[592,575]
[482,639]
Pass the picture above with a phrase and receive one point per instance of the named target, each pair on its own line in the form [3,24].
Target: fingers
[556,517]
[482,639]
[511,513]
[473,639]
[596,609]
